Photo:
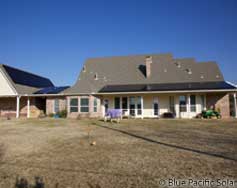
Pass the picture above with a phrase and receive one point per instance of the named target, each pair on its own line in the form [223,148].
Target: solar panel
[27,79]
[167,87]
[51,90]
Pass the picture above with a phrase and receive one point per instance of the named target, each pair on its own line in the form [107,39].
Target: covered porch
[22,106]
[154,105]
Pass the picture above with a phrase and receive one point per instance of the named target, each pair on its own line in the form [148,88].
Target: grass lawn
[134,153]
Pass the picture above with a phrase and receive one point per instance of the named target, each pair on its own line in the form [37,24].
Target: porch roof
[168,87]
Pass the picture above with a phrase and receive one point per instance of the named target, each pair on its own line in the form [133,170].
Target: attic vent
[189,71]
[96,76]
[217,76]
[202,77]
[177,64]
[84,69]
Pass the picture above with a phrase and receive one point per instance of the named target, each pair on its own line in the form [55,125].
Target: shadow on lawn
[169,145]
[2,152]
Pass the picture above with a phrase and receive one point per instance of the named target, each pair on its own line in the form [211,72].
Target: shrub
[51,115]
[62,113]
[168,115]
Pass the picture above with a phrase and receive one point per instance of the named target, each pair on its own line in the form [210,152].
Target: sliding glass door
[139,106]
[125,105]
[132,106]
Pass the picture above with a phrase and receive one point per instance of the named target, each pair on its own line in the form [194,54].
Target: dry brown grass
[134,153]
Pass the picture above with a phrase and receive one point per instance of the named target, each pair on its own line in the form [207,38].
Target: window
[56,106]
[74,105]
[117,103]
[95,104]
[84,105]
[193,103]
[156,106]
[182,103]
[171,103]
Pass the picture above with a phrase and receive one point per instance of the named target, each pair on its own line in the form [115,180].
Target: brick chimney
[148,62]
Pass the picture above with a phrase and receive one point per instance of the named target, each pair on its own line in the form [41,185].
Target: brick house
[147,86]
[23,94]
[143,86]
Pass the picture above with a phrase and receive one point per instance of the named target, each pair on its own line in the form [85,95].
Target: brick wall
[221,102]
[8,107]
[50,104]
[91,113]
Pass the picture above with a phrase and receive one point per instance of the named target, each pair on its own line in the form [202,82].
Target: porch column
[18,106]
[135,107]
[235,105]
[142,105]
[28,107]
[177,107]
[188,106]
[128,106]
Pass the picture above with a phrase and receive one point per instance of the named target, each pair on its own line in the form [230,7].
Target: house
[146,86]
[142,86]
[23,94]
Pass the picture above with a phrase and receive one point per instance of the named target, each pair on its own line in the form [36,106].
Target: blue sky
[53,38]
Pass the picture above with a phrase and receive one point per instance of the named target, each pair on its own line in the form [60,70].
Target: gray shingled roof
[24,82]
[124,70]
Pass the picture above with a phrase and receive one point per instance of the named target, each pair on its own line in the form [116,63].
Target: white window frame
[85,106]
[186,104]
[73,106]
[95,105]
[155,101]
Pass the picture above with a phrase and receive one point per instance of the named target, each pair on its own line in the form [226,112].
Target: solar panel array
[51,90]
[168,87]
[27,79]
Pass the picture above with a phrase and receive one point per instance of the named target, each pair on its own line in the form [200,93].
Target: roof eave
[174,91]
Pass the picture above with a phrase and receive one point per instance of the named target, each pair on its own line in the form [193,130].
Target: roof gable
[129,70]
[6,88]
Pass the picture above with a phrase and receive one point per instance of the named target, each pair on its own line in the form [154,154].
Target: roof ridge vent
[96,76]
[84,68]
[188,70]
[177,63]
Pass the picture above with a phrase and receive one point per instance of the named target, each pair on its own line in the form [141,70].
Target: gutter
[148,92]
[8,95]
[177,91]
